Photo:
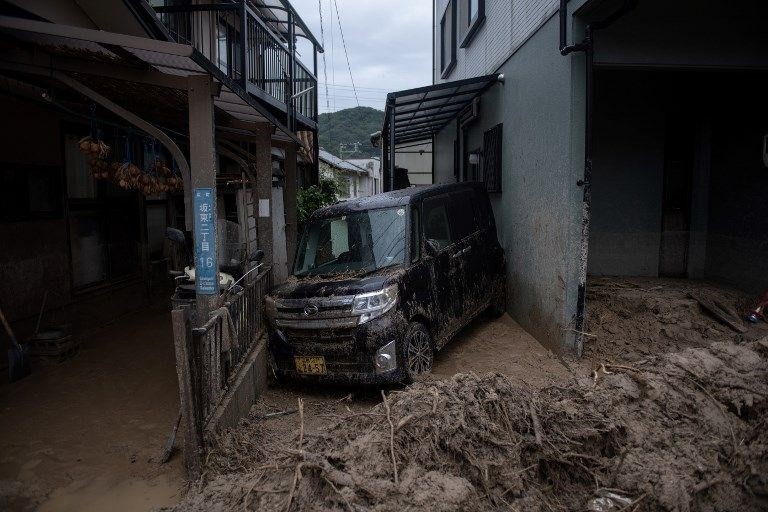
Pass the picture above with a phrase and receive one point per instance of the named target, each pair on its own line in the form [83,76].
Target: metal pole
[202,152]
[292,71]
[244,44]
[392,146]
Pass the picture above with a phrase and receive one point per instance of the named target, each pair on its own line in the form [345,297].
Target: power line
[322,43]
[333,53]
[344,43]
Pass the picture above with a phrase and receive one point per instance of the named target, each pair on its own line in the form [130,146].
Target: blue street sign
[206,264]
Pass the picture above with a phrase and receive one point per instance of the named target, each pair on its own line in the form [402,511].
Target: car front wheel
[418,352]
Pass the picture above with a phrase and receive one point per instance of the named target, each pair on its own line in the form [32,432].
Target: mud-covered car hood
[307,287]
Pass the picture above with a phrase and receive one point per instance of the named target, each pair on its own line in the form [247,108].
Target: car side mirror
[257,256]
[432,247]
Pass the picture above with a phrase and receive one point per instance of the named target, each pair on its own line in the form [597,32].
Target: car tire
[418,352]
[498,305]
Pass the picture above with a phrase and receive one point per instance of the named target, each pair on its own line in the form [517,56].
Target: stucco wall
[538,214]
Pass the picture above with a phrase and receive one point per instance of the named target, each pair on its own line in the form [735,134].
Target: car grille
[335,336]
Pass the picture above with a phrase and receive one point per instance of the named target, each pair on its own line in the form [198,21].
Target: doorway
[676,196]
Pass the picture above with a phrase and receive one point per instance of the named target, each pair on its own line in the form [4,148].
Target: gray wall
[627,177]
[538,214]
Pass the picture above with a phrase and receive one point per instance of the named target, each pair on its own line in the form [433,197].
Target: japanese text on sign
[206,266]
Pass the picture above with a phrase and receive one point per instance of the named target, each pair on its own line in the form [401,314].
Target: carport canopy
[418,114]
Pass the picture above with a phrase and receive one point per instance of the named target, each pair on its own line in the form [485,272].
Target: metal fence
[220,345]
[250,52]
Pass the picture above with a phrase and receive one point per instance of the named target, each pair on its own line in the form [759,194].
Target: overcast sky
[389,44]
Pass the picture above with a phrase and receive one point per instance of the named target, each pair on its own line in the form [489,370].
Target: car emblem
[310,309]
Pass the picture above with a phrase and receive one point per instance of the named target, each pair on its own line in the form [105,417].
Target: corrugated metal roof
[338,163]
[420,113]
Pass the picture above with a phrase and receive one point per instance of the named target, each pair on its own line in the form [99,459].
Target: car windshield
[353,242]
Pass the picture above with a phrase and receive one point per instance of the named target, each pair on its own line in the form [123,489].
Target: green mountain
[349,126]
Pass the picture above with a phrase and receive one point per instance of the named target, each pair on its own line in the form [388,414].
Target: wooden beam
[202,156]
[191,446]
[89,67]
[263,151]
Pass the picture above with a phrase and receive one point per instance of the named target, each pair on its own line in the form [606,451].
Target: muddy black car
[382,283]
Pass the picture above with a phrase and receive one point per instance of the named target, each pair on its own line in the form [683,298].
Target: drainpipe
[586,46]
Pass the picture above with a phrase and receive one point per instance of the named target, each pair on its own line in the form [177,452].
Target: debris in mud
[681,431]
[630,319]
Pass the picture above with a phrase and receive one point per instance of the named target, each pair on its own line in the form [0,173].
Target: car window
[464,214]
[333,241]
[436,222]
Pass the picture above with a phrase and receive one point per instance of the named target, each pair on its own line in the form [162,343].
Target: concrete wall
[538,214]
[627,176]
[709,33]
[737,239]
[727,119]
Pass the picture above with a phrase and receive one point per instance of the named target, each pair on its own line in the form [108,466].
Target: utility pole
[343,149]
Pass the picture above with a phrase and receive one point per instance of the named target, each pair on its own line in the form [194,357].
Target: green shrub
[311,198]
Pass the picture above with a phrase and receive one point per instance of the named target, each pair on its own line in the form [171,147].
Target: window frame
[447,67]
[473,25]
[440,201]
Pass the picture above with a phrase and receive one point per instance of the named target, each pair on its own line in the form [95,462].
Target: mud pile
[631,318]
[682,431]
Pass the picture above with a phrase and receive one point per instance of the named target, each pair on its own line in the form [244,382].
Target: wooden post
[203,170]
[291,205]
[191,441]
[263,152]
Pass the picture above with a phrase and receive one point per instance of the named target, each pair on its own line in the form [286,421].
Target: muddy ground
[666,412]
[85,434]
[630,319]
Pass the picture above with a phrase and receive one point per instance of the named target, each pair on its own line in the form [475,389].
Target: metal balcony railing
[233,37]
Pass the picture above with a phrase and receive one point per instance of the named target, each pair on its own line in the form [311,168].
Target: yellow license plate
[310,365]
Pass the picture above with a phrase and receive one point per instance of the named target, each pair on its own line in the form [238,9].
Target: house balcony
[253,43]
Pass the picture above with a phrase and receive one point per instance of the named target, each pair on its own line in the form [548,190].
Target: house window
[29,192]
[492,158]
[471,18]
[448,40]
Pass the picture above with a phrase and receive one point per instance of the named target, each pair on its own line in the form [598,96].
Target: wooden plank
[192,439]
[719,312]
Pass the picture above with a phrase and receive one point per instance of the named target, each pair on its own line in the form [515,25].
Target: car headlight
[374,304]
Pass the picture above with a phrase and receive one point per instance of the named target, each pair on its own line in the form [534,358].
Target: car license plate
[310,365]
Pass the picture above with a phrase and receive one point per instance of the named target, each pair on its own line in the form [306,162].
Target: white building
[355,180]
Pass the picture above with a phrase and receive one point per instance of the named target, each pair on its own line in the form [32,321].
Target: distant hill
[348,126]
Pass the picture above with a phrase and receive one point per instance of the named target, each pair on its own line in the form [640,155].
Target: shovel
[168,449]
[18,358]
